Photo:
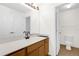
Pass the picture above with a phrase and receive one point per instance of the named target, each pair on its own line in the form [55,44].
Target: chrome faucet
[27,34]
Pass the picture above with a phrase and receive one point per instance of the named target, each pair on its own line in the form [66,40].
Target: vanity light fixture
[34,6]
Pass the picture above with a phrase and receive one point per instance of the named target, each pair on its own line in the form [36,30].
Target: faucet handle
[24,31]
[11,32]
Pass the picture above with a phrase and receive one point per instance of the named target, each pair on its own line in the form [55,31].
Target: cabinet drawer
[34,46]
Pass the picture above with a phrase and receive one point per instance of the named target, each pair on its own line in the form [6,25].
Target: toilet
[68,45]
[68,42]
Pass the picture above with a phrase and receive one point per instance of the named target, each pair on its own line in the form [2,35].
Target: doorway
[67,25]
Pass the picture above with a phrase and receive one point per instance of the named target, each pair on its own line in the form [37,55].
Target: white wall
[70,26]
[47,22]
[45,12]
[35,20]
[10,21]
[47,25]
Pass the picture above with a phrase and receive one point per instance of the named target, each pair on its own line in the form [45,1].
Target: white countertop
[9,47]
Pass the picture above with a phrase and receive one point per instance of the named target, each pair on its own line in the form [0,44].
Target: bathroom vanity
[36,46]
[37,49]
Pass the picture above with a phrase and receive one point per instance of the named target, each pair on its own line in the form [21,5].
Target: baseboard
[48,55]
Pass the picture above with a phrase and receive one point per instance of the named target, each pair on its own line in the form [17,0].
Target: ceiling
[63,7]
[17,6]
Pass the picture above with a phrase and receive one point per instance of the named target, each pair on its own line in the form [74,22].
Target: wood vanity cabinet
[37,49]
[41,51]
[46,45]
[21,52]
[34,53]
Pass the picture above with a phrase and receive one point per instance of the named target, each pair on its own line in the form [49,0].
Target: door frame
[56,26]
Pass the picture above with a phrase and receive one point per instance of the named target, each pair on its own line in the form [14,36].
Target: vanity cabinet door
[46,46]
[34,53]
[21,52]
[34,46]
[41,51]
